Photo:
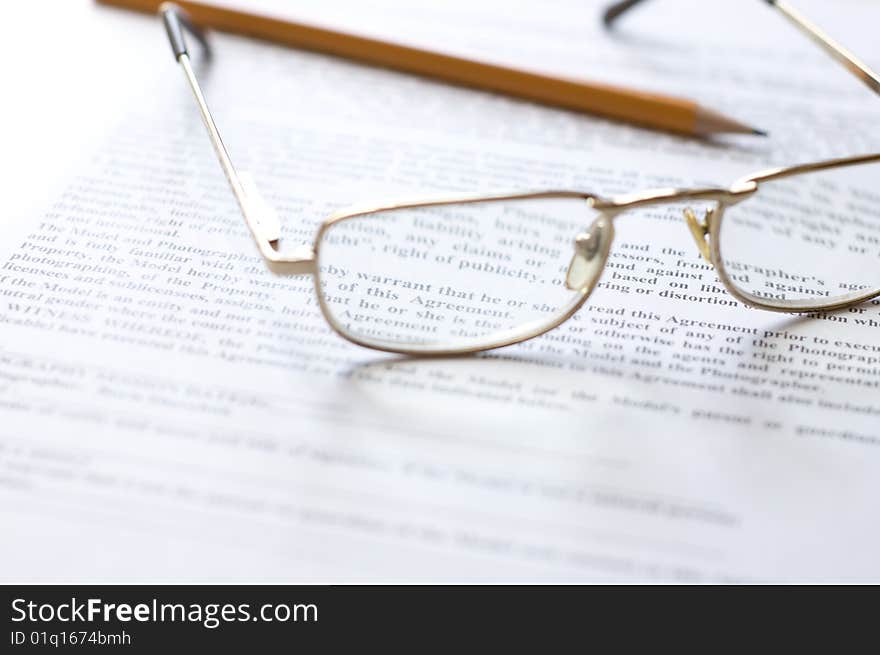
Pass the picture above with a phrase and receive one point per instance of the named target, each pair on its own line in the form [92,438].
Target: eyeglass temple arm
[832,47]
[176,21]
[258,216]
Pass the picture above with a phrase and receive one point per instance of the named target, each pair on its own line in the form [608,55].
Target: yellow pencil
[647,109]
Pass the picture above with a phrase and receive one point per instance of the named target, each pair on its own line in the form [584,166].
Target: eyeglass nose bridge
[590,252]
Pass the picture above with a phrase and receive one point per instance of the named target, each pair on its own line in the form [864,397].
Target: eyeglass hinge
[267,219]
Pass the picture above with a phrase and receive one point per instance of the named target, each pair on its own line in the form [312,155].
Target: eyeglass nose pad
[590,250]
[700,230]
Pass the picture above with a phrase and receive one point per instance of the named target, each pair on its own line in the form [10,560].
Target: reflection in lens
[453,276]
[807,240]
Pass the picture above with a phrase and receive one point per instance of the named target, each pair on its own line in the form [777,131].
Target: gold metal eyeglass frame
[265,228]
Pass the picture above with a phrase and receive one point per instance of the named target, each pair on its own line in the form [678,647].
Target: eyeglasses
[462,274]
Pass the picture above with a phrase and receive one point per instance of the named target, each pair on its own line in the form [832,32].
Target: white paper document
[171,411]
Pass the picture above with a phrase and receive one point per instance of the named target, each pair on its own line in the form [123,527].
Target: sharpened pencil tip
[708,121]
